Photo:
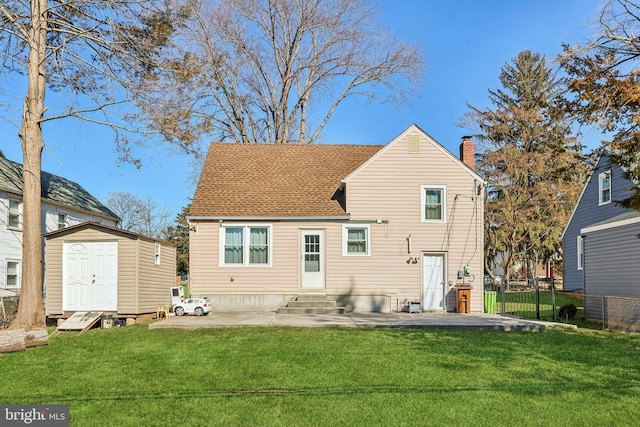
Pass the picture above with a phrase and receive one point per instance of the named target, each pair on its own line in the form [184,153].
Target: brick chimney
[467,152]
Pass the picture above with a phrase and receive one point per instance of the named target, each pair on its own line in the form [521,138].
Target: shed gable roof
[55,189]
[107,229]
[275,180]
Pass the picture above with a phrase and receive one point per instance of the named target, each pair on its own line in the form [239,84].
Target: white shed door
[90,276]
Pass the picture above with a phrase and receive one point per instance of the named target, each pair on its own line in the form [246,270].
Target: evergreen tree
[532,164]
[179,236]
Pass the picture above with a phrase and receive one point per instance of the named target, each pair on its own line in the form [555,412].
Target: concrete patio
[475,321]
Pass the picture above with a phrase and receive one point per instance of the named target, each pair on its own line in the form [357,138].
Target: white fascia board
[609,225]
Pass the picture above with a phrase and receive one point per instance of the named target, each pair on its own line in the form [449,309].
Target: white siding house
[64,203]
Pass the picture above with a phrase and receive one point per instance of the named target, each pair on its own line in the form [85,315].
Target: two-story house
[601,245]
[64,203]
[372,227]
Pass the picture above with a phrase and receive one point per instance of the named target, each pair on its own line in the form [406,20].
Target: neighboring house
[64,203]
[93,267]
[371,227]
[601,246]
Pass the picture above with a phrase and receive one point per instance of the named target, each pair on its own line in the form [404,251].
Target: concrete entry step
[311,304]
[310,310]
[312,297]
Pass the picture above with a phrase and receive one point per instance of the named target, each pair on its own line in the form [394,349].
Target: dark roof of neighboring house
[275,180]
[55,189]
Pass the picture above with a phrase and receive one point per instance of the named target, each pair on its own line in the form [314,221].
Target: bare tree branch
[275,70]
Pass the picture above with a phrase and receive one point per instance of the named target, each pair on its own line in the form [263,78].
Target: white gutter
[267,218]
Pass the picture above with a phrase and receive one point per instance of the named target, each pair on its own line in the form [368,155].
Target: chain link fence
[619,313]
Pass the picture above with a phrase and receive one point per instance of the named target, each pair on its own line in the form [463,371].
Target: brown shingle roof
[275,180]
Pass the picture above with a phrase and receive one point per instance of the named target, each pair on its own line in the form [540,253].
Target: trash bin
[463,299]
[490,302]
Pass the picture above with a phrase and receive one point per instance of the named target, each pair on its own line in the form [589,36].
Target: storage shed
[93,267]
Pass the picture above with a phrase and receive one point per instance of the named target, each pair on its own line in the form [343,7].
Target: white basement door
[90,276]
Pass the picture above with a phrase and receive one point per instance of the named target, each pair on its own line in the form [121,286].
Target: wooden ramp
[80,321]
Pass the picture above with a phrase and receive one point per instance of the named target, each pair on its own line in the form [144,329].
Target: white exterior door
[105,276]
[433,282]
[76,277]
[312,259]
[90,276]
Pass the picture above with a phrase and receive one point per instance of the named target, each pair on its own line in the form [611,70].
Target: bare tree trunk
[31,314]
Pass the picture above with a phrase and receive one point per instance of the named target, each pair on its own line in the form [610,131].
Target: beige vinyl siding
[208,277]
[389,188]
[142,285]
[385,188]
[385,273]
[53,282]
[154,280]
[127,275]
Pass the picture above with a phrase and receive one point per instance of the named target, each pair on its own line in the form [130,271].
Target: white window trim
[423,197]
[600,179]
[245,253]
[20,214]
[19,273]
[580,251]
[156,253]
[345,235]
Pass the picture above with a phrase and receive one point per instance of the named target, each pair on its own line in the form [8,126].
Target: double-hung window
[62,221]
[245,245]
[15,214]
[433,200]
[13,274]
[604,188]
[356,239]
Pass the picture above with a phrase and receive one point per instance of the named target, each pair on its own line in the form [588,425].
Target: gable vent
[414,144]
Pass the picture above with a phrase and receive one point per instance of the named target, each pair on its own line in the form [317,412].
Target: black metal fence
[543,299]
[533,299]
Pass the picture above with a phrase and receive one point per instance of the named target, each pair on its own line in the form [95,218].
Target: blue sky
[466,42]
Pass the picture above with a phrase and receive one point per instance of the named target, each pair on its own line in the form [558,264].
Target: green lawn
[314,377]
